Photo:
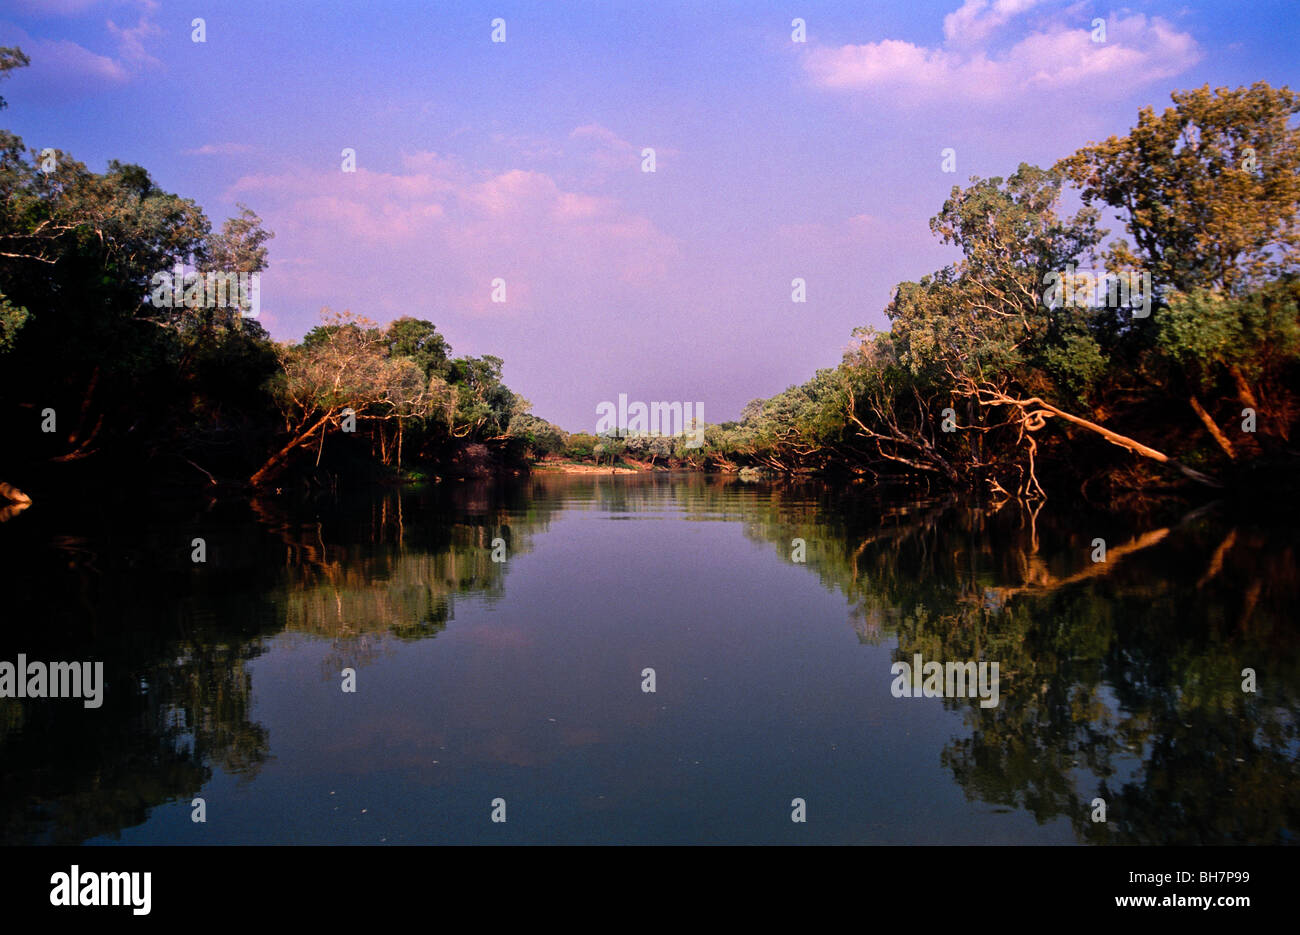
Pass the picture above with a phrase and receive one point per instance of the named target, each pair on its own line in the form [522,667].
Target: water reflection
[1120,680]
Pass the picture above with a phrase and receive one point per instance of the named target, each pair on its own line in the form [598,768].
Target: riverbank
[574,467]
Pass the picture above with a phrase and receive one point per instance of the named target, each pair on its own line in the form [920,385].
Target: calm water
[522,680]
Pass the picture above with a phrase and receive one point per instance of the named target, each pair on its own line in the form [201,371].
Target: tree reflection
[1120,680]
[176,637]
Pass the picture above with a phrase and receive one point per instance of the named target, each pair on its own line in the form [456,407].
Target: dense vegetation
[986,380]
[100,382]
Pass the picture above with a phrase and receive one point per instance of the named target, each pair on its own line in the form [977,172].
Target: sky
[523,160]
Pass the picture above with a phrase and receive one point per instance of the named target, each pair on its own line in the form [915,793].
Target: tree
[1210,192]
[349,369]
[579,446]
[77,252]
[420,341]
[1251,342]
[610,446]
[981,327]
[484,405]
[539,437]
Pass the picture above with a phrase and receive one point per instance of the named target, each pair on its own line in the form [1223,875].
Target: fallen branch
[1035,420]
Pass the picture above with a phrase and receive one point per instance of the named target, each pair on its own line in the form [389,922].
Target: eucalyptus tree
[1209,189]
[984,326]
[337,380]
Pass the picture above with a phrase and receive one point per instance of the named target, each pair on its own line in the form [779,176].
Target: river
[650,659]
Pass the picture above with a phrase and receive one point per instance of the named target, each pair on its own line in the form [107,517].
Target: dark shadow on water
[1120,680]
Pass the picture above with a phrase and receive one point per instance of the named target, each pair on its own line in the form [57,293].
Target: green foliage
[420,341]
[538,437]
[484,404]
[609,447]
[580,446]
[1205,330]
[118,370]
[981,381]
[12,318]
[1210,188]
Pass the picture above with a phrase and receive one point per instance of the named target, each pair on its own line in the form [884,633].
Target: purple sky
[521,160]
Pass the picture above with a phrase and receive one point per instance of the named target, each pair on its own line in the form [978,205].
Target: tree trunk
[1213,429]
[1248,399]
[10,492]
[1123,441]
[273,463]
[1244,392]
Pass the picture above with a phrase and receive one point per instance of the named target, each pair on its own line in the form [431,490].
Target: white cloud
[62,69]
[220,149]
[606,148]
[468,227]
[131,39]
[1137,51]
[975,20]
[61,65]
